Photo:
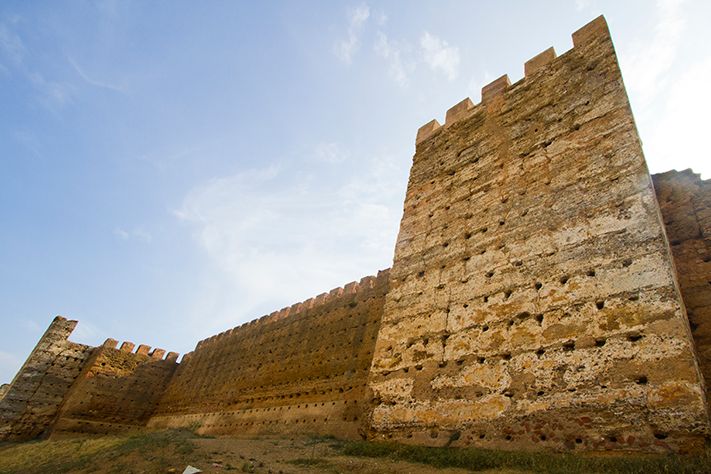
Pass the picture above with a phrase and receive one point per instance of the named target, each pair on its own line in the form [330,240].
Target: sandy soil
[172,452]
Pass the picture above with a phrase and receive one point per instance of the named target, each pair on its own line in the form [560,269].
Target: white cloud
[679,134]
[94,82]
[391,51]
[439,55]
[87,333]
[647,62]
[11,45]
[381,19]
[137,233]
[277,235]
[52,94]
[329,152]
[346,48]
[670,97]
[582,4]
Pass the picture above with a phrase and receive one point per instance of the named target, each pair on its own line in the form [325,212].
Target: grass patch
[112,453]
[476,459]
[332,441]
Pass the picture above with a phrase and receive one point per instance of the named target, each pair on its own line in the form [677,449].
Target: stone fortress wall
[685,203]
[65,387]
[301,369]
[538,300]
[533,300]
[32,400]
[118,390]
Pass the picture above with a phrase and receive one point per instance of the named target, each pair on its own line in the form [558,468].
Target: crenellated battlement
[349,289]
[596,30]
[143,350]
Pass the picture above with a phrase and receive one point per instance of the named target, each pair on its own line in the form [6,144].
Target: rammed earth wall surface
[685,203]
[31,402]
[302,369]
[117,391]
[538,300]
[533,302]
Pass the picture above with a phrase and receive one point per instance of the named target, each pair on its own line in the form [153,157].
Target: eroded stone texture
[117,391]
[34,396]
[302,369]
[685,202]
[532,300]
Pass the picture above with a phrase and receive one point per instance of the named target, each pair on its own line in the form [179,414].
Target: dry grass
[474,459]
[103,454]
[171,451]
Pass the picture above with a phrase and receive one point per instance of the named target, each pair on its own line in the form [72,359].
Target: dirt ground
[298,455]
[172,452]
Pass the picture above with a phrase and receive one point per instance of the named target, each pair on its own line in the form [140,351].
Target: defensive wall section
[546,293]
[533,301]
[33,398]
[70,388]
[118,391]
[685,203]
[301,369]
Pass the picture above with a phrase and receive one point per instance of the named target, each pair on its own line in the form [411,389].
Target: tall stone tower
[533,301]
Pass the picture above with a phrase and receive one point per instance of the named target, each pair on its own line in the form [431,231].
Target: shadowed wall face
[532,300]
[39,388]
[117,391]
[685,202]
[303,369]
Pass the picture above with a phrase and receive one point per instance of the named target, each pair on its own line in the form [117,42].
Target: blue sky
[171,169]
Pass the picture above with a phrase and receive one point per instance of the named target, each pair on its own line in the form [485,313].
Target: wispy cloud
[277,235]
[381,18]
[87,333]
[11,45]
[330,152]
[439,55]
[346,48]
[391,51]
[681,128]
[582,4]
[93,82]
[137,234]
[52,94]
[29,141]
[670,96]
[647,62]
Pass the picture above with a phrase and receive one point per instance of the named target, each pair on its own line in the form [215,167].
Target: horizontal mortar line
[551,308]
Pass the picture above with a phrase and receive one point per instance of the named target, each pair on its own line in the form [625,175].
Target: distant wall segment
[32,400]
[301,369]
[118,391]
[685,203]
